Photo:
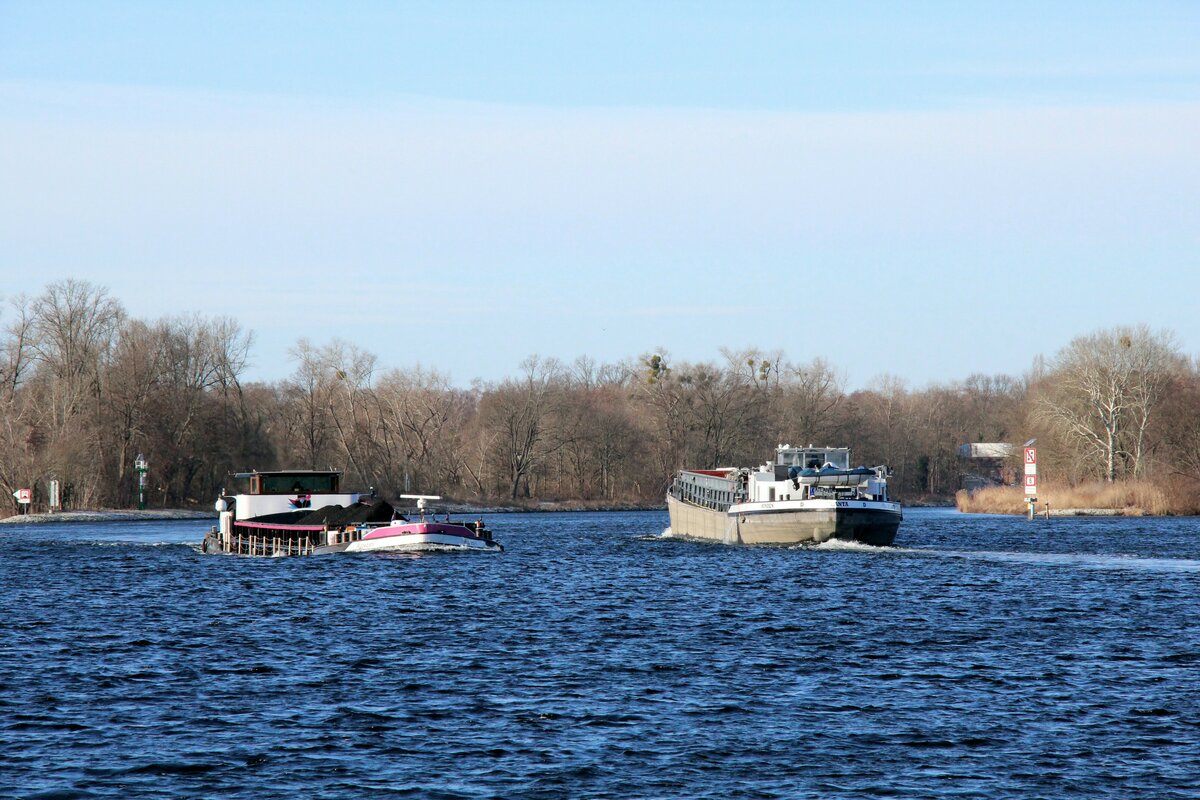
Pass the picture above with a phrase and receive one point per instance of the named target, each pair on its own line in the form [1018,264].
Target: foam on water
[1099,561]
[848,545]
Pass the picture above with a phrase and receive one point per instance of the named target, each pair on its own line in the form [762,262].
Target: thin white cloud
[286,208]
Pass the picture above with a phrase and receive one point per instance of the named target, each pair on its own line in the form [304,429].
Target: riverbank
[109,515]
[1093,512]
[1119,499]
[127,515]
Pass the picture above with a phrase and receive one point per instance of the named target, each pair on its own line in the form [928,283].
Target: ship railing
[267,545]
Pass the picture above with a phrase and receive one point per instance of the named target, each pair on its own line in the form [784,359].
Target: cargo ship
[804,495]
[306,512]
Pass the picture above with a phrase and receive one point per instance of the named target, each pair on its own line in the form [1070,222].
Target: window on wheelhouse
[295,483]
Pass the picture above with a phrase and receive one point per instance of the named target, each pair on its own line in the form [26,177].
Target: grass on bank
[1128,498]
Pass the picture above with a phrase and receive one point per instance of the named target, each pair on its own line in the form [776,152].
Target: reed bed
[1126,498]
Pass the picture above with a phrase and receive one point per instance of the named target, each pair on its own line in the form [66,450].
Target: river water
[980,657]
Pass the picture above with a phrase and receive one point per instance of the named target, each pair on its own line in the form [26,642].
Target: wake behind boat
[807,494]
[306,513]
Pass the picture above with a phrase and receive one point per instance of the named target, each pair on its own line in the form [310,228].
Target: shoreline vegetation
[90,395]
[453,508]
[1123,499]
[1132,498]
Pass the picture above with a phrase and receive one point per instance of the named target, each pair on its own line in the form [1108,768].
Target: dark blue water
[981,657]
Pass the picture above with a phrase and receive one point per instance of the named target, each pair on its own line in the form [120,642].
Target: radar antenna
[421,498]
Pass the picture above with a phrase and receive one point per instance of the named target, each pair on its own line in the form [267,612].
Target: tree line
[84,388]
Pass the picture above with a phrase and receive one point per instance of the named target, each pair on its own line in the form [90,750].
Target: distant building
[985,464]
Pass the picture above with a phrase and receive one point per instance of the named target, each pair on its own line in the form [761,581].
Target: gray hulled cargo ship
[806,494]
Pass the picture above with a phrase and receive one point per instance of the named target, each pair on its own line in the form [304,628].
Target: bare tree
[15,347]
[1182,434]
[729,407]
[350,403]
[663,395]
[517,410]
[72,330]
[1156,361]
[309,397]
[881,434]
[993,407]
[1103,390]
[74,327]
[16,464]
[421,418]
[812,394]
[132,383]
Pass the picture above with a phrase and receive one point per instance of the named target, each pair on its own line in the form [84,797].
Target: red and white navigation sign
[24,496]
[1031,471]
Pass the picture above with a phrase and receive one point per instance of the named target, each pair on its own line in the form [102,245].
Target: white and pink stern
[401,535]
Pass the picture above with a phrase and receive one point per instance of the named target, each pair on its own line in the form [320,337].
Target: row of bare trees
[84,389]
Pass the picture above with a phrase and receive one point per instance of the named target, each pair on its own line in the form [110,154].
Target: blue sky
[921,189]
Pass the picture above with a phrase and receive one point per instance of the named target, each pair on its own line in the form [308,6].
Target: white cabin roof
[986,450]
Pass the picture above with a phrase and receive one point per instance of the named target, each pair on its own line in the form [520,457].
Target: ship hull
[248,537]
[420,536]
[786,523]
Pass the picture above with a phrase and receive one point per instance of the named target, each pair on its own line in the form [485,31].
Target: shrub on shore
[1129,498]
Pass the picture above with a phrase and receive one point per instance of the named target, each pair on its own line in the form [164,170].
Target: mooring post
[140,466]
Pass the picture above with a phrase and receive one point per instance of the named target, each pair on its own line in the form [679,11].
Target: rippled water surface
[980,657]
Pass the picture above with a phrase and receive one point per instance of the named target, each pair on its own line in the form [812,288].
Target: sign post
[1031,480]
[140,467]
[24,498]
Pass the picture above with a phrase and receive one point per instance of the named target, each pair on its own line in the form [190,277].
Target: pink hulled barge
[305,512]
